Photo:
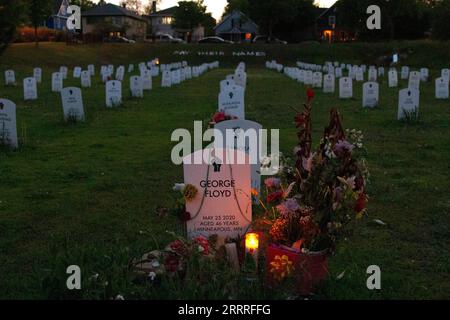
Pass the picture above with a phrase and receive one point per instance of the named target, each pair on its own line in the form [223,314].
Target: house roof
[165,12]
[110,9]
[228,16]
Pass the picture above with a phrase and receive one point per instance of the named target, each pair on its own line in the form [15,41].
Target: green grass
[85,194]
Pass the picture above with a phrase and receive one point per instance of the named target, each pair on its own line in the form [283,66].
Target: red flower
[185,216]
[219,117]
[310,94]
[361,203]
[178,247]
[203,242]
[172,263]
[275,196]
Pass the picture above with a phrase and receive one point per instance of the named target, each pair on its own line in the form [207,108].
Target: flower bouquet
[310,206]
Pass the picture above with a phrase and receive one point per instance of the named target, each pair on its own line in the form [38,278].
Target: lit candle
[252,245]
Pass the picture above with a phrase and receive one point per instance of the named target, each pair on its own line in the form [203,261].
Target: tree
[190,14]
[38,12]
[133,5]
[241,5]
[11,15]
[83,4]
[441,25]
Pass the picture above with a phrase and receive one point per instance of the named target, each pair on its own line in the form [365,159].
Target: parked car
[165,37]
[267,39]
[214,40]
[119,39]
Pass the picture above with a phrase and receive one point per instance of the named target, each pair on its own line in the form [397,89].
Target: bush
[441,27]
[26,34]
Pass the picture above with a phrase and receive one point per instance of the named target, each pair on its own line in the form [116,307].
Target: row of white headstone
[71,97]
[408,101]
[232,93]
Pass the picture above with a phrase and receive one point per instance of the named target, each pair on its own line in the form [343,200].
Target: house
[58,19]
[328,28]
[109,20]
[236,27]
[161,21]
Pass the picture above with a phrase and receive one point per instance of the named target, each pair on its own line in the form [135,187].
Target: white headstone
[10,77]
[176,76]
[408,103]
[223,205]
[373,75]
[329,83]
[86,79]
[404,73]
[317,80]
[414,80]
[64,70]
[37,74]
[371,94]
[442,88]
[57,81]
[231,101]
[91,69]
[77,72]
[29,89]
[120,73]
[72,102]
[381,71]
[225,84]
[240,132]
[136,87]
[445,73]
[424,74]
[113,93]
[147,83]
[8,126]
[240,78]
[130,68]
[345,88]
[166,80]
[393,78]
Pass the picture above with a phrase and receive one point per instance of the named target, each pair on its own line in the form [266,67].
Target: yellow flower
[190,192]
[281,267]
[255,192]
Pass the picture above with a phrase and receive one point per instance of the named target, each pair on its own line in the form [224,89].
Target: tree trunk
[36,35]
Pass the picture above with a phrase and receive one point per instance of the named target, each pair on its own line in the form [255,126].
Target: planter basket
[308,269]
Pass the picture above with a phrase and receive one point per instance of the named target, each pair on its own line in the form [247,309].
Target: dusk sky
[214,6]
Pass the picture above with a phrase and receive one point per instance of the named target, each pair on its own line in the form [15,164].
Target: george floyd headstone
[10,78]
[408,103]
[57,81]
[37,74]
[113,93]
[231,101]
[393,78]
[414,80]
[345,88]
[329,83]
[136,87]
[77,72]
[442,88]
[72,102]
[240,134]
[166,79]
[223,205]
[86,79]
[371,94]
[29,89]
[8,126]
[146,77]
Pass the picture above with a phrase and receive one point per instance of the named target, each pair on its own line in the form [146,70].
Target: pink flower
[272,183]
[343,147]
[307,163]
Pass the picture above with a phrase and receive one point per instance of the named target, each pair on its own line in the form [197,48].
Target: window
[167,20]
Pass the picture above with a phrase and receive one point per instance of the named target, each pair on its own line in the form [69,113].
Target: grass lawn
[85,194]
